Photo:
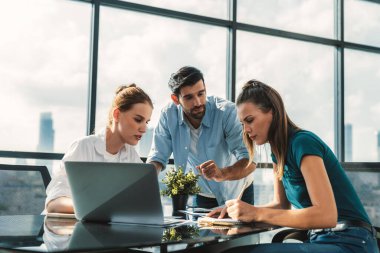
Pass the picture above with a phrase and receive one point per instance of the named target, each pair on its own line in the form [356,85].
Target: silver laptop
[116,192]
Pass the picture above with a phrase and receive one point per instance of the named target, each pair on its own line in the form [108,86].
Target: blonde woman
[128,118]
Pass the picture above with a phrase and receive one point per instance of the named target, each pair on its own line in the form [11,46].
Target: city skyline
[47,133]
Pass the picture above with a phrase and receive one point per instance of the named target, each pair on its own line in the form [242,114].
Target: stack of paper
[209,221]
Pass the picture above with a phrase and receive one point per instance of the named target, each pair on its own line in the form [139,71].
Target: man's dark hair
[185,76]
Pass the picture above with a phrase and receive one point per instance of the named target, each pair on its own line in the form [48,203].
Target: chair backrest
[22,189]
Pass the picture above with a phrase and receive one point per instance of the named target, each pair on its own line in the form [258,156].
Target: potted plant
[179,186]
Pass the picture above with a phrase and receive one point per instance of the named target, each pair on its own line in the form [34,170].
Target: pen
[242,190]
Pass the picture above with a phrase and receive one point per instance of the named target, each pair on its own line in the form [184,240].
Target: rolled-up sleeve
[59,185]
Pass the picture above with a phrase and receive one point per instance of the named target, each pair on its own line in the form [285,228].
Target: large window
[362,106]
[303,74]
[50,48]
[146,49]
[46,50]
[44,62]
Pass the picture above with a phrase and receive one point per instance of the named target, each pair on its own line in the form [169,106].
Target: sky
[44,63]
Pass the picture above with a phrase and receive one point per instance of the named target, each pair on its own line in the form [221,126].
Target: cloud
[307,16]
[362,22]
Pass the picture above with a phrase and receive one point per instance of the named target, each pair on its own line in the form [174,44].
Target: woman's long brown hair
[266,99]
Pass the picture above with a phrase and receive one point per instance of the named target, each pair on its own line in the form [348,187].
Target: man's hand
[211,171]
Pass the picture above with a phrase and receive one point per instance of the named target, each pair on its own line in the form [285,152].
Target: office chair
[22,189]
[301,235]
[291,233]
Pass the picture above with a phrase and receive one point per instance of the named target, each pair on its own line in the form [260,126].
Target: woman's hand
[240,210]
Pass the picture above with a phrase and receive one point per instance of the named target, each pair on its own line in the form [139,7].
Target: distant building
[348,142]
[46,137]
[145,143]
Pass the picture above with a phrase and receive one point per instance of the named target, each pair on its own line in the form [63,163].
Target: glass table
[39,234]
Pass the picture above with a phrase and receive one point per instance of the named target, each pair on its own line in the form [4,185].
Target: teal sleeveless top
[304,143]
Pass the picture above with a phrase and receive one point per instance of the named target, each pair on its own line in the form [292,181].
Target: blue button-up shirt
[220,140]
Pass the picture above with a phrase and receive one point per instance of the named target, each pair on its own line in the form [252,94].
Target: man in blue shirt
[205,136]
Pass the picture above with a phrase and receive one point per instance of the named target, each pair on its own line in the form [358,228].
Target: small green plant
[179,183]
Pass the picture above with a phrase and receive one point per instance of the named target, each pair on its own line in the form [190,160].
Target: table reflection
[69,234]
[180,233]
[74,235]
[57,234]
[238,229]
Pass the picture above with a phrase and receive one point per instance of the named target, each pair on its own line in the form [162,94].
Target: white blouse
[90,148]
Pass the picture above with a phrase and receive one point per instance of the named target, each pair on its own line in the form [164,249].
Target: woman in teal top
[307,175]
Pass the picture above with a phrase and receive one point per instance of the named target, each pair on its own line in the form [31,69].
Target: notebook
[116,192]
[209,221]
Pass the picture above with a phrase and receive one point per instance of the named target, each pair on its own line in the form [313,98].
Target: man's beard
[198,115]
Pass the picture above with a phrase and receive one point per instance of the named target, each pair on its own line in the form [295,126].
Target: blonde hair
[266,99]
[125,97]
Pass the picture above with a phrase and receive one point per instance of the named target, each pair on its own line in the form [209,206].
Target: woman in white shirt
[128,117]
